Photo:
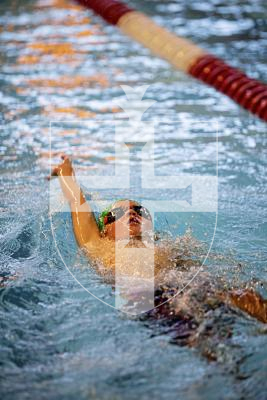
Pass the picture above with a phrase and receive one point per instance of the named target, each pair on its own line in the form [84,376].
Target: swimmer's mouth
[134,220]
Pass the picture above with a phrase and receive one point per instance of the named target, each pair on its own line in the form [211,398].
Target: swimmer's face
[130,223]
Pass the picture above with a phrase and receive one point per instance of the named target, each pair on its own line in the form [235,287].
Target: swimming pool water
[60,62]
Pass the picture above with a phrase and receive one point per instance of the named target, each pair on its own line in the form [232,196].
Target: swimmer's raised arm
[84,224]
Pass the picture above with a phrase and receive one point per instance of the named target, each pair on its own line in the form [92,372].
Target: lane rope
[184,55]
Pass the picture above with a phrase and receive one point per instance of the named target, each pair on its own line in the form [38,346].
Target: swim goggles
[118,212]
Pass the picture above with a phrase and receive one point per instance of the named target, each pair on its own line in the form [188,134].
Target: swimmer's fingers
[65,157]
[64,168]
[66,165]
[67,162]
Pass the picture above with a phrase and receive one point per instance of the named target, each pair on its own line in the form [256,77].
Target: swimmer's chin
[135,230]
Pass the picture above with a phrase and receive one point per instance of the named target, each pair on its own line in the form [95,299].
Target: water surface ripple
[60,62]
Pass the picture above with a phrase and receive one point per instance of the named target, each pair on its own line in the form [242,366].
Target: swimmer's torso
[143,259]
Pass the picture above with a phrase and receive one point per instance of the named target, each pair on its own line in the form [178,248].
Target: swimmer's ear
[105,220]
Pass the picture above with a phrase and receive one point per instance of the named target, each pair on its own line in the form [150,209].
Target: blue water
[64,64]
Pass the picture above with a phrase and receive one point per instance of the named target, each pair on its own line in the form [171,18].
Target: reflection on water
[60,62]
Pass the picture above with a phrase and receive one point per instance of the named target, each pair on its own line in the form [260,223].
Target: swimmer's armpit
[250,302]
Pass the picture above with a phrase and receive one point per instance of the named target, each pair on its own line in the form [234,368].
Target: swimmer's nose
[132,213]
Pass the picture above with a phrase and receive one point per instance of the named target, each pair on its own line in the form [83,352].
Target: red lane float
[110,10]
[249,93]
[184,55]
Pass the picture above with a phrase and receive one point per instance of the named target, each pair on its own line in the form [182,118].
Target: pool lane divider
[184,55]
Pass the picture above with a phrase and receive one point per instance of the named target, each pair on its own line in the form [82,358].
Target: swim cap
[100,221]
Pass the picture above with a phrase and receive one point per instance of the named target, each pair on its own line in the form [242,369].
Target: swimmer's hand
[250,302]
[65,168]
[68,183]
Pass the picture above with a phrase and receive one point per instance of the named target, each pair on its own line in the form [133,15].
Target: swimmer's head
[124,219]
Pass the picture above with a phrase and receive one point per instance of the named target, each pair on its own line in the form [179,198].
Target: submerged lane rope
[184,55]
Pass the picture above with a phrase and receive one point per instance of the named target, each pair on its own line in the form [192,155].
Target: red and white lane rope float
[184,55]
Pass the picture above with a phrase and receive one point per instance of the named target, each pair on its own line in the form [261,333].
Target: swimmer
[124,220]
[129,220]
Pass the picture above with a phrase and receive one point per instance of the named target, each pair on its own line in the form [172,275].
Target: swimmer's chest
[133,260]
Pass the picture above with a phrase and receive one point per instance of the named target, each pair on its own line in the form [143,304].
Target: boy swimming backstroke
[129,220]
